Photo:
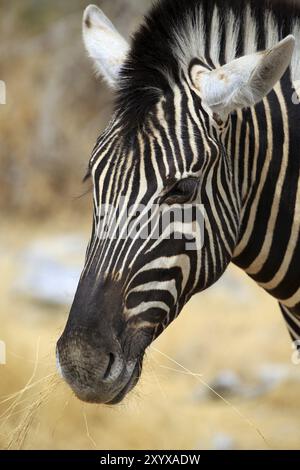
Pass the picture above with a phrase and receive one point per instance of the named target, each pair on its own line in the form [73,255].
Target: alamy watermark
[2,92]
[296,94]
[296,97]
[155,222]
[296,352]
[2,353]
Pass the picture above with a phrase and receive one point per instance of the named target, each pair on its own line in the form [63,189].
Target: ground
[233,330]
[233,334]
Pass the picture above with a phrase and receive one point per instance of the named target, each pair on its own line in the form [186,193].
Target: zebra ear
[244,81]
[104,44]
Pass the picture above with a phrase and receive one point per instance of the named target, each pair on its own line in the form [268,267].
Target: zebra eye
[182,192]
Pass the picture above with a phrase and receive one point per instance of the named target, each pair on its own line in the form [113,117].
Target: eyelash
[171,197]
[87,176]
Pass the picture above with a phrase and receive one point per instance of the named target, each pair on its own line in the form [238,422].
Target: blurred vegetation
[56,107]
[55,110]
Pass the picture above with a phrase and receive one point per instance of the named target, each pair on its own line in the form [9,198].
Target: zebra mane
[215,31]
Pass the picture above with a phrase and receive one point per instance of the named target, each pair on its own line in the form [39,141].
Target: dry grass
[56,107]
[47,130]
[215,332]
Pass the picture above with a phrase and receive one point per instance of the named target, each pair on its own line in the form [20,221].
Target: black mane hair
[152,64]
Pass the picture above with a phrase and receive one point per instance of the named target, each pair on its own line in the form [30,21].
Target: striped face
[166,198]
[159,232]
[163,229]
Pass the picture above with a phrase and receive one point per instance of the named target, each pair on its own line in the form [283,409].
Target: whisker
[87,428]
[60,417]
[233,407]
[154,374]
[180,371]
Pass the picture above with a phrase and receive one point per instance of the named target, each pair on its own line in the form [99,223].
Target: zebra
[206,113]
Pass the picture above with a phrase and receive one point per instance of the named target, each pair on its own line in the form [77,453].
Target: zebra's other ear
[104,44]
[244,81]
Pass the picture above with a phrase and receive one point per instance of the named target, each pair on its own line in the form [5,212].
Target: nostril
[109,366]
[115,366]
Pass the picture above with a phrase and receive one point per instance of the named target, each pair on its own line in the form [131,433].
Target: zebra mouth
[96,376]
[133,380]
[111,394]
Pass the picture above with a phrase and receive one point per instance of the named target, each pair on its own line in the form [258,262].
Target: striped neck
[266,166]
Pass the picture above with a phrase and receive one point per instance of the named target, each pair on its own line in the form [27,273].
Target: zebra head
[166,196]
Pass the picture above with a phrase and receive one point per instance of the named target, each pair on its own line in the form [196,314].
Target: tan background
[231,338]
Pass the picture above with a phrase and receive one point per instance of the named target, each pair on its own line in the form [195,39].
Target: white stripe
[142,307]
[169,286]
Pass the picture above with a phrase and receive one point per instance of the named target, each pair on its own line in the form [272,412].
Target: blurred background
[220,377]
